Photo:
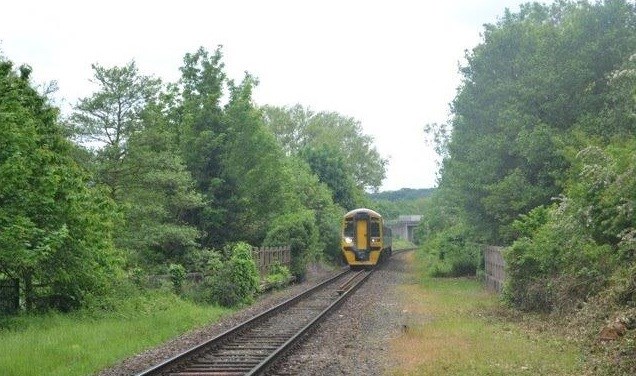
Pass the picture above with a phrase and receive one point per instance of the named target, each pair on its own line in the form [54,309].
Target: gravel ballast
[354,340]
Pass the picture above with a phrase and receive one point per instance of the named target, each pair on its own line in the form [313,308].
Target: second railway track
[253,346]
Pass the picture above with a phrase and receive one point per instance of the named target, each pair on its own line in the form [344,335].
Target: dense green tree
[298,231]
[329,165]
[305,191]
[297,128]
[110,116]
[138,158]
[536,77]
[252,165]
[157,202]
[55,231]
[196,116]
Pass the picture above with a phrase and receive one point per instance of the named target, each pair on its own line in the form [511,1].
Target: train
[365,240]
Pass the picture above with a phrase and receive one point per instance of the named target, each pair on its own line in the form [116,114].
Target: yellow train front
[365,240]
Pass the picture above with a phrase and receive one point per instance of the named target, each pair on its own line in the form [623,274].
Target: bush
[177,276]
[278,275]
[558,266]
[299,231]
[451,255]
[236,283]
[566,253]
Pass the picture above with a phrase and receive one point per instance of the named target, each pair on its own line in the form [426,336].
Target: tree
[196,119]
[157,201]
[138,158]
[303,191]
[55,231]
[297,129]
[536,77]
[252,164]
[329,166]
[108,118]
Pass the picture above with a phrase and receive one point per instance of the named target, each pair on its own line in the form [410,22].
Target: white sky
[392,65]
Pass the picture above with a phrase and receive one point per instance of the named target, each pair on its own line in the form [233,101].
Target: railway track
[253,346]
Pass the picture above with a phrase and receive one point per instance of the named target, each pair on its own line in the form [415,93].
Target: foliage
[195,116]
[571,249]
[232,156]
[329,165]
[55,231]
[278,275]
[299,231]
[534,79]
[177,276]
[297,129]
[252,164]
[237,282]
[110,116]
[305,191]
[450,254]
[447,240]
[147,176]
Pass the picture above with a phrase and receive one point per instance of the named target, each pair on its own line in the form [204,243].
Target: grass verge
[82,344]
[451,327]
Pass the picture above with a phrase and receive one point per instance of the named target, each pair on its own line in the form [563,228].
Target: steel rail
[271,359]
[252,322]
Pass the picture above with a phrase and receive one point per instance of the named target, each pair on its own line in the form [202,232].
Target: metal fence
[265,257]
[495,266]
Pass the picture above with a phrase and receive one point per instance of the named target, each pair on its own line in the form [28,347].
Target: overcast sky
[392,65]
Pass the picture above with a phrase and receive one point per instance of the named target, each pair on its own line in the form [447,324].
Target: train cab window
[374,228]
[349,229]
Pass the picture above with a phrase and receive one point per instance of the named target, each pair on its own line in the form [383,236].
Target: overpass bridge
[404,226]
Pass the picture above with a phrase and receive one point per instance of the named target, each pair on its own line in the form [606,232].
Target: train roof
[363,210]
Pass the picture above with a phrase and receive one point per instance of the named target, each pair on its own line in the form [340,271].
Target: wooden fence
[265,257]
[495,268]
[9,295]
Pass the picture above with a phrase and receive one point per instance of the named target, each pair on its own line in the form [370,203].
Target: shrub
[278,275]
[177,276]
[451,255]
[567,252]
[299,231]
[236,283]
[559,266]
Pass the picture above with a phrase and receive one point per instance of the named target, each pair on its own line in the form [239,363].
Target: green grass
[454,329]
[57,344]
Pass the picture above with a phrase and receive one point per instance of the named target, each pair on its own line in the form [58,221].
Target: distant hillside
[406,201]
[404,194]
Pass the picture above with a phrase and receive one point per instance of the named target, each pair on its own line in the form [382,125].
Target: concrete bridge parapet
[404,226]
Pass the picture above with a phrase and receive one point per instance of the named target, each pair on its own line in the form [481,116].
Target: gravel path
[354,340]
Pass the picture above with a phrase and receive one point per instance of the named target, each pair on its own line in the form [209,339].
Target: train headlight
[375,240]
[348,240]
